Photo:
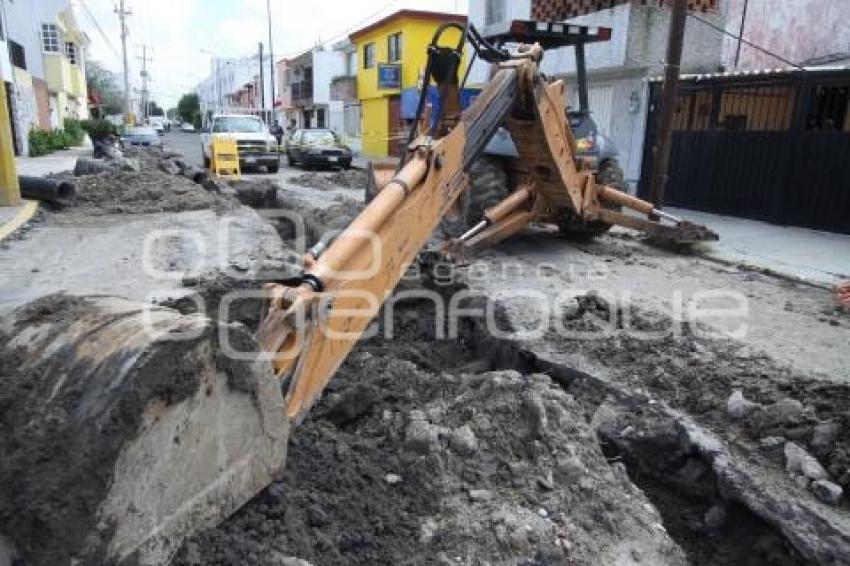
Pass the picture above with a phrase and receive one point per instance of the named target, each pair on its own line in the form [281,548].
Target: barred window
[71,52]
[50,38]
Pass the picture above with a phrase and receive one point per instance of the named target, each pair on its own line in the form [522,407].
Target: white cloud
[177,30]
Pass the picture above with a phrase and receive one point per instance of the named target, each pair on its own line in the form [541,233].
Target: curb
[22,217]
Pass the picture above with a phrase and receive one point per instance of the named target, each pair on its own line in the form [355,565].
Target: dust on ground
[346,178]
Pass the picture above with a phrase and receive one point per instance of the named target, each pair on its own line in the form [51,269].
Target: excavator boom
[312,326]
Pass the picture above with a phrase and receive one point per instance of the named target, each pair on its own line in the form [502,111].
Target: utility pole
[262,81]
[145,79]
[271,54]
[661,150]
[122,16]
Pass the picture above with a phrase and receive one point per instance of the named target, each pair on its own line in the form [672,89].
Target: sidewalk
[53,163]
[13,217]
[819,257]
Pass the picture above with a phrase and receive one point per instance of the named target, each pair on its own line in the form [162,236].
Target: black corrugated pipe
[49,190]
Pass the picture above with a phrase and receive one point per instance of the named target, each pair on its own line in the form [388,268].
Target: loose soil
[426,451]
[349,179]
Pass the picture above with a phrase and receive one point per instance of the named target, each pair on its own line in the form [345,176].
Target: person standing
[276,131]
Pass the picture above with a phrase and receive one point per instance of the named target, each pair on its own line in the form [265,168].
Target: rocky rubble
[402,464]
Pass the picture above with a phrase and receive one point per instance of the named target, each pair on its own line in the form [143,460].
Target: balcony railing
[302,90]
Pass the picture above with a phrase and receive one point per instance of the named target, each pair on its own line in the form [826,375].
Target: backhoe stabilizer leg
[682,231]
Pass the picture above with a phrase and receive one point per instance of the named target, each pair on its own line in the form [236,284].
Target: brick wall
[557,10]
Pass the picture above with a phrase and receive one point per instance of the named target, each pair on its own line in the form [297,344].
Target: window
[320,117]
[71,52]
[394,47]
[18,55]
[351,63]
[368,55]
[494,12]
[50,38]
[829,108]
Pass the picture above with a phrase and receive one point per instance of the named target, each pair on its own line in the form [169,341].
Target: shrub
[75,130]
[39,142]
[98,129]
[59,139]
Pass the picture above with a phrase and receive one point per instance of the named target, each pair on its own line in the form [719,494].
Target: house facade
[45,75]
[392,54]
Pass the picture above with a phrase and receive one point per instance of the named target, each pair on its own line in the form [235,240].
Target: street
[579,292]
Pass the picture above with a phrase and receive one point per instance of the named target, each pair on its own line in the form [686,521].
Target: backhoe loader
[154,431]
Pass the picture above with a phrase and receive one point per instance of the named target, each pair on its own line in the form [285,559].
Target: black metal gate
[768,147]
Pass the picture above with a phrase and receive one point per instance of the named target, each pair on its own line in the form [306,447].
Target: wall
[5,65]
[798,30]
[375,116]
[327,64]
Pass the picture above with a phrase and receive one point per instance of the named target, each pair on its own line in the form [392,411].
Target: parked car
[187,127]
[157,123]
[141,135]
[255,144]
[317,147]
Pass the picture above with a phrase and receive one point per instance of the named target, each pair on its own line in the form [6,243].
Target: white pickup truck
[255,144]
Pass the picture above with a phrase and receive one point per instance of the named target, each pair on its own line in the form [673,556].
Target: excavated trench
[362,486]
[335,503]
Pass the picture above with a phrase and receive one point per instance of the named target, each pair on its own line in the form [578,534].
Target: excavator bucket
[125,429]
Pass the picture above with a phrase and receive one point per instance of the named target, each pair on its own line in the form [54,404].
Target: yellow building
[63,45]
[392,54]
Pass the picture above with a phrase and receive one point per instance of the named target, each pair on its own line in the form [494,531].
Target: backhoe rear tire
[573,226]
[488,186]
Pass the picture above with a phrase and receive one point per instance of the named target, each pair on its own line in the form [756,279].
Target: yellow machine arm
[311,327]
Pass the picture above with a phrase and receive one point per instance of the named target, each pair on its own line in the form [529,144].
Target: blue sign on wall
[389,75]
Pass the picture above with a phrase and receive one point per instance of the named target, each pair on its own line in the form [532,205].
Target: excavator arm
[312,325]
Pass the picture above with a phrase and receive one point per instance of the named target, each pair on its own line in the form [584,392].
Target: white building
[42,60]
[237,85]
[319,90]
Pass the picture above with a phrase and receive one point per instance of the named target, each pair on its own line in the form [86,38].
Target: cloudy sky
[179,32]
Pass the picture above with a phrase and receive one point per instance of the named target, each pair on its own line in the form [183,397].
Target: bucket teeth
[688,232]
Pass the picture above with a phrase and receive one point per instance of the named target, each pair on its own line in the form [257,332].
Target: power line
[99,29]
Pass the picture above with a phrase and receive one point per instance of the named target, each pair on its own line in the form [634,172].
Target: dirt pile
[410,459]
[94,389]
[145,191]
[348,179]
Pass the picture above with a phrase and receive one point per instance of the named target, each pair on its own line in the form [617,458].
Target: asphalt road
[187,144]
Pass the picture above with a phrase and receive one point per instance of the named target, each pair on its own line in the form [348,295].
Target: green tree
[171,113]
[104,82]
[155,109]
[189,108]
